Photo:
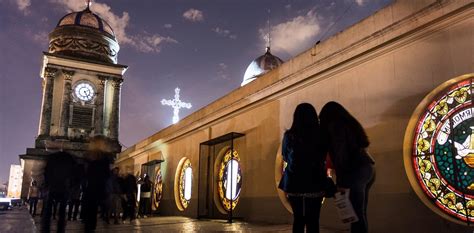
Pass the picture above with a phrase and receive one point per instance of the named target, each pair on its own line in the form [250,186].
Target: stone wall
[380,69]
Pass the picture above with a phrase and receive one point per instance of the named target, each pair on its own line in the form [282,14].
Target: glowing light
[232,170]
[176,104]
[188,177]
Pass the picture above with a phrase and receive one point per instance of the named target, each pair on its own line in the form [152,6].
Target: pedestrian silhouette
[98,160]
[57,176]
[354,167]
[304,178]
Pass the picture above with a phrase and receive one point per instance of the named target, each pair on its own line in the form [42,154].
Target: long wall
[380,69]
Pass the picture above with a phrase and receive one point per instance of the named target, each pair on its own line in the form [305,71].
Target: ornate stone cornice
[50,72]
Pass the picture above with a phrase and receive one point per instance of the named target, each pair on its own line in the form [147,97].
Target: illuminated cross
[176,104]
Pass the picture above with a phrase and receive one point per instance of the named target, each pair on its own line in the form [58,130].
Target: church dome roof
[86,18]
[260,66]
[84,35]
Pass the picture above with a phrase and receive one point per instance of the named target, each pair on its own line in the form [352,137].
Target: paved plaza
[19,220]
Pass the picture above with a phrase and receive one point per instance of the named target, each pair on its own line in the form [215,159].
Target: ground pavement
[19,220]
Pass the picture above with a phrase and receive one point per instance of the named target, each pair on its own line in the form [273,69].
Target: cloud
[193,15]
[23,5]
[168,25]
[151,43]
[295,35]
[224,33]
[41,37]
[141,42]
[360,2]
[222,71]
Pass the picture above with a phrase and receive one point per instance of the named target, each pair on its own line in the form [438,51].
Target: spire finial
[88,4]
[268,28]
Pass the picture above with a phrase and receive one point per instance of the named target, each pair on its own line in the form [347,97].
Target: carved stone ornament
[50,72]
[68,74]
[83,43]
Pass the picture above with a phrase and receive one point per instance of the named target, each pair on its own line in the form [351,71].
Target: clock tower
[81,84]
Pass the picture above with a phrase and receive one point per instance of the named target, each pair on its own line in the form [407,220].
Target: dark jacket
[59,172]
[97,175]
[305,167]
[348,153]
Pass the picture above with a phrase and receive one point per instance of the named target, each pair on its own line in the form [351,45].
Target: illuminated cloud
[151,43]
[193,15]
[360,2]
[224,33]
[295,35]
[144,43]
[23,5]
[222,71]
[41,38]
[168,25]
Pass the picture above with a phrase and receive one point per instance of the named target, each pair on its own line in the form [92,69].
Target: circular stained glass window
[229,180]
[439,150]
[183,184]
[158,194]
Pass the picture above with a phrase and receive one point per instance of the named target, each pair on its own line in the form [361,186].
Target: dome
[86,18]
[86,36]
[260,66]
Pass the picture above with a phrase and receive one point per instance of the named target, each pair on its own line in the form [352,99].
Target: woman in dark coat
[354,167]
[304,177]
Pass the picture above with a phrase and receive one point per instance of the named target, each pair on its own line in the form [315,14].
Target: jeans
[52,200]
[33,203]
[359,196]
[306,212]
[73,207]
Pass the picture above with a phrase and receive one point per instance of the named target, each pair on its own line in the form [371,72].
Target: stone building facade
[81,91]
[380,69]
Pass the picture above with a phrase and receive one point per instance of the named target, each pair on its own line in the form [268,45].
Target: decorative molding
[68,74]
[50,72]
[83,45]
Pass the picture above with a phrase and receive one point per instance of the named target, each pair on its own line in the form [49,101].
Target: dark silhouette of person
[33,195]
[354,167]
[57,175]
[130,190]
[304,178]
[75,193]
[97,173]
[114,189]
[145,196]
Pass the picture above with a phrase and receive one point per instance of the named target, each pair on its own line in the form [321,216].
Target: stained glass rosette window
[183,186]
[158,193]
[442,153]
[229,181]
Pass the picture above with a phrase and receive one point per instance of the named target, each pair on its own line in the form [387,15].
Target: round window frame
[222,159]
[410,143]
[181,203]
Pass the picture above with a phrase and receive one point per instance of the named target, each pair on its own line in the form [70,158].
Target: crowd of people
[312,143]
[88,190]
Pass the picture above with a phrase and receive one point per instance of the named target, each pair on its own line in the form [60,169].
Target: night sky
[201,46]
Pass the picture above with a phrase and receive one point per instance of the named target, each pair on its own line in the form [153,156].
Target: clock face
[84,91]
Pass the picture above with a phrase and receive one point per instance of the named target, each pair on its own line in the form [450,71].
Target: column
[66,101]
[99,103]
[115,112]
[46,108]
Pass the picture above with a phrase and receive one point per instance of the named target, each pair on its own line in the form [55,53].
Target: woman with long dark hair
[304,176]
[354,166]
